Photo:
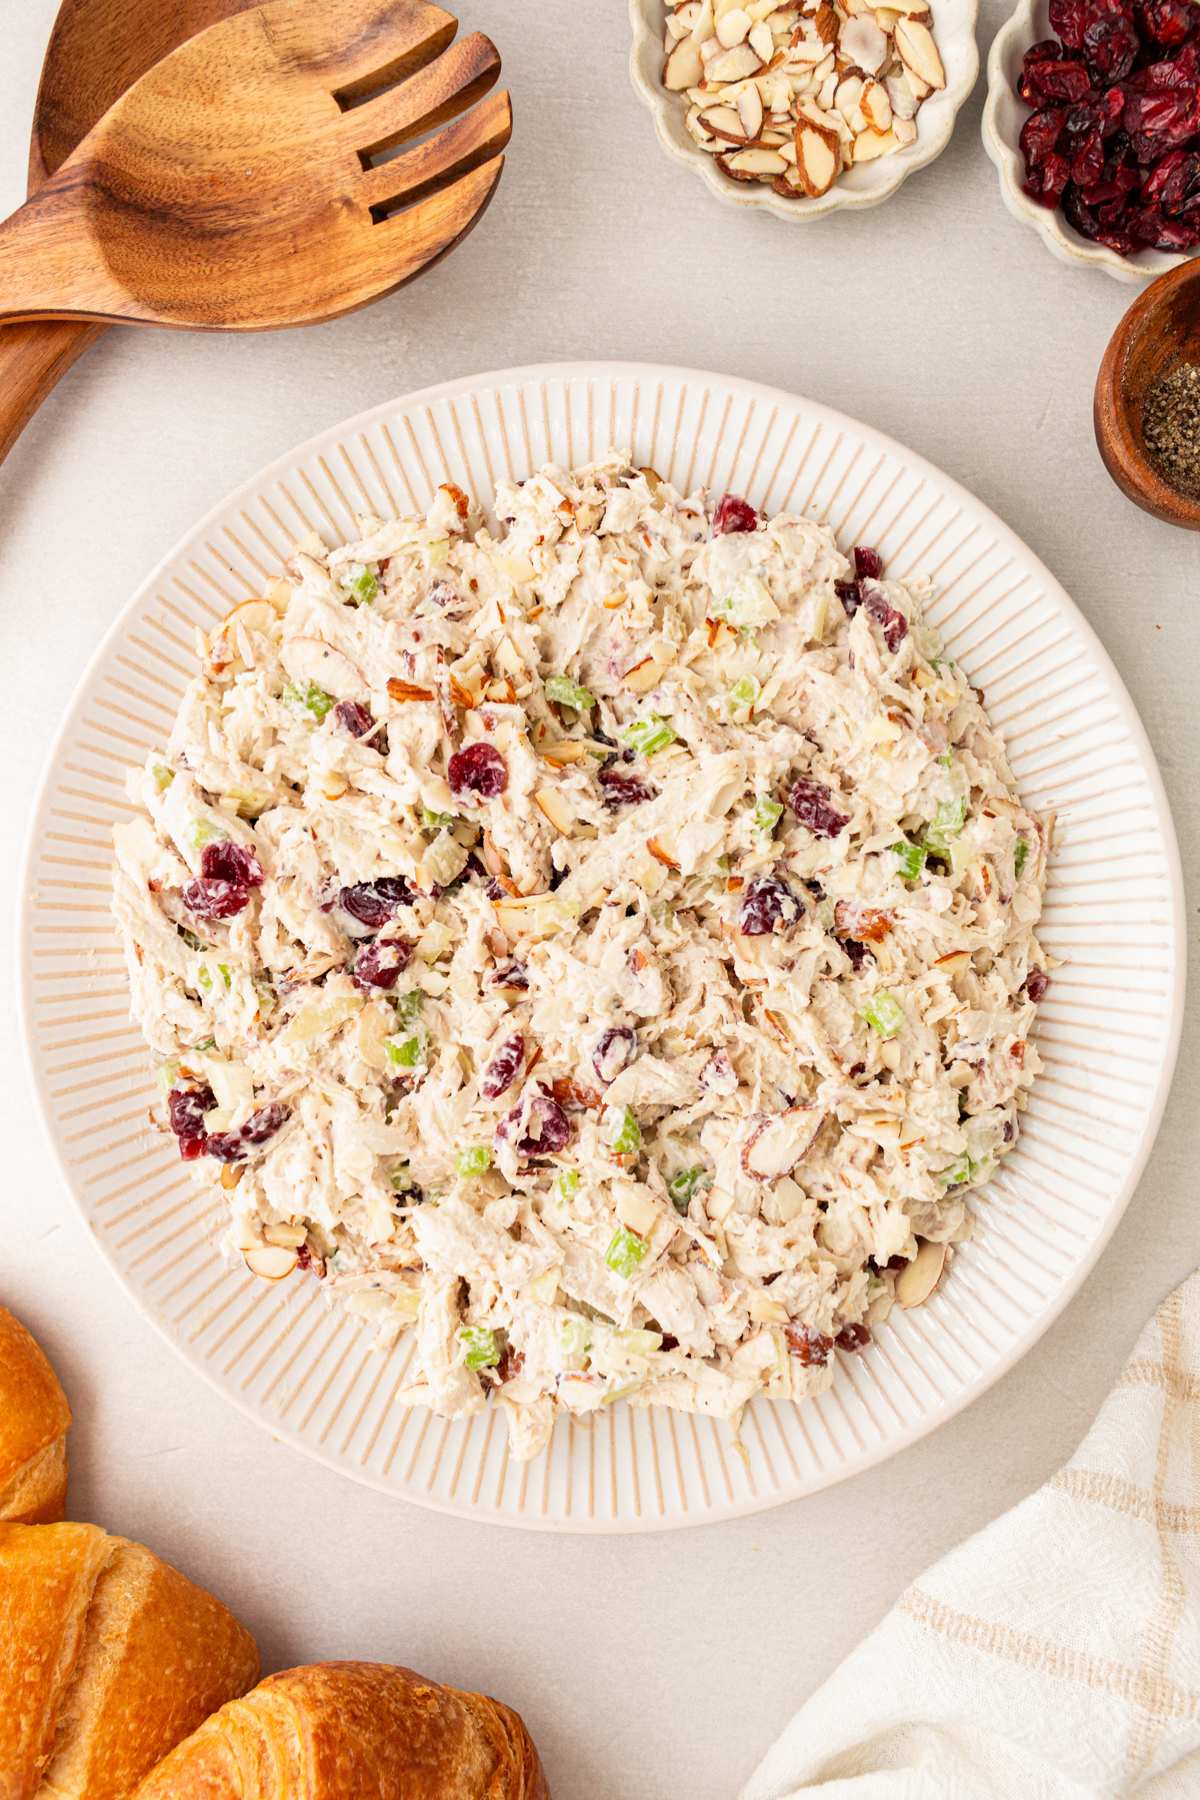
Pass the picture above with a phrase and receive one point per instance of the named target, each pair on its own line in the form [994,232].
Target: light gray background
[659,1667]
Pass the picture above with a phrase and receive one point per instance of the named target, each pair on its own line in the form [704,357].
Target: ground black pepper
[1171,427]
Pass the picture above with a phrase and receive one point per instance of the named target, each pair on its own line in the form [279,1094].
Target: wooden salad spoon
[97,49]
[235,187]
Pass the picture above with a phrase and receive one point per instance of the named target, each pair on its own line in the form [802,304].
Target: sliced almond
[733,27]
[252,615]
[636,1208]
[287,1236]
[746,165]
[553,807]
[779,1140]
[877,108]
[818,156]
[724,122]
[869,145]
[734,65]
[917,1279]
[408,690]
[767,1311]
[270,1262]
[683,67]
[863,45]
[231,1174]
[905,131]
[825,24]
[761,41]
[900,94]
[647,673]
[954,963]
[660,853]
[849,92]
[559,755]
[918,52]
[750,111]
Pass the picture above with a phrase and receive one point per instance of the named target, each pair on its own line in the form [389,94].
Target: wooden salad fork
[236,185]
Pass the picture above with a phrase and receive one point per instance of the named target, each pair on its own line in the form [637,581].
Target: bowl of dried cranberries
[1093,121]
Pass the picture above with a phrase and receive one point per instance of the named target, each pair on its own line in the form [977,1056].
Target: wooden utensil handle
[33,359]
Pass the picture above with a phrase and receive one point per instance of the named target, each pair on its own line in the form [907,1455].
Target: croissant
[34,1417]
[353,1731]
[108,1657]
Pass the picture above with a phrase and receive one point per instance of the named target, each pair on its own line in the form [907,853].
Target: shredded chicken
[604,948]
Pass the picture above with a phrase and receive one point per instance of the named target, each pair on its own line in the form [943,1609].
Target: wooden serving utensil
[1160,330]
[233,187]
[97,49]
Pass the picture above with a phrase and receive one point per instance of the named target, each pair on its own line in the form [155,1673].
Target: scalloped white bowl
[1107,1030]
[1004,114]
[867,185]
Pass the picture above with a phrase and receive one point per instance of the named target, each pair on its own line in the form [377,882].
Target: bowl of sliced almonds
[799,109]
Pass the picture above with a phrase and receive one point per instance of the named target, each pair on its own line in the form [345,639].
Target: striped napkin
[1057,1653]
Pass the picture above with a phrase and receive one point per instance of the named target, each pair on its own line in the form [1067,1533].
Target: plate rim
[612,372]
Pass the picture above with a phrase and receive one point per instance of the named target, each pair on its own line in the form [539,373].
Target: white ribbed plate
[1108,1029]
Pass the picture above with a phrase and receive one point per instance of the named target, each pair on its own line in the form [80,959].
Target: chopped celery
[480,1349]
[568,1183]
[163,777]
[204,976]
[435,821]
[309,698]
[190,938]
[744,693]
[359,584]
[686,1182]
[565,692]
[203,831]
[1020,856]
[408,1005]
[639,1342]
[267,995]
[959,1173]
[574,1336]
[406,1053]
[947,759]
[912,859]
[767,813]
[625,1252]
[168,1075]
[948,821]
[884,1013]
[400,1181]
[622,1131]
[650,734]
[205,1045]
[473,1162]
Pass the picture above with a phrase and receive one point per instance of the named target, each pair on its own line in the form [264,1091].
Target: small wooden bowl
[1161,329]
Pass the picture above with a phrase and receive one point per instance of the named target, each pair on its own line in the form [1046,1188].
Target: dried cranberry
[810,1348]
[895,625]
[352,717]
[857,952]
[868,564]
[1045,83]
[478,769]
[1167,21]
[733,514]
[503,1069]
[1157,122]
[1110,45]
[812,805]
[511,1363]
[1047,180]
[615,1050]
[373,903]
[1087,164]
[442,594]
[379,964]
[1173,184]
[1036,983]
[853,1337]
[1069,19]
[850,594]
[513,974]
[186,1108]
[231,1146]
[767,902]
[1041,131]
[215,899]
[237,864]
[547,1127]
[624,790]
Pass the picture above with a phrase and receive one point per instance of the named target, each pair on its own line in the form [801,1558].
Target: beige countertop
[656,1667]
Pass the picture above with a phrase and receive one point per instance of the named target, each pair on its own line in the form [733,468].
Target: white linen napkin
[1055,1655]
